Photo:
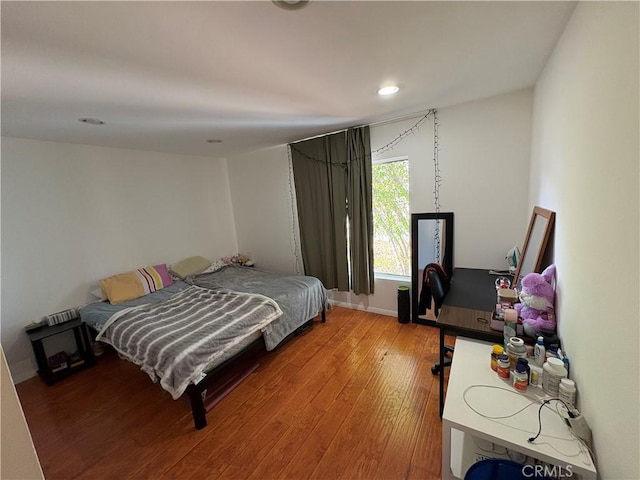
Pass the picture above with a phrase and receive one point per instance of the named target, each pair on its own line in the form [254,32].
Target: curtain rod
[408,116]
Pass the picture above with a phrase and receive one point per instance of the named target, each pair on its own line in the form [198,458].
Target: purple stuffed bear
[537,300]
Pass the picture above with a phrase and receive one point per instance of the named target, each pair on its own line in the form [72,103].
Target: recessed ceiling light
[91,121]
[214,140]
[390,90]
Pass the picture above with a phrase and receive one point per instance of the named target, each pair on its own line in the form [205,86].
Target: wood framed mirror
[535,243]
[431,241]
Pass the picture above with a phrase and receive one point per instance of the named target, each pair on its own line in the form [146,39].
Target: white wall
[73,214]
[584,165]
[484,162]
[263,209]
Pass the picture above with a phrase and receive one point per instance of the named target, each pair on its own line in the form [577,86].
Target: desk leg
[446,473]
[441,371]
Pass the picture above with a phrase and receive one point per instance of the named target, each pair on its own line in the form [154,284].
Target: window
[391,231]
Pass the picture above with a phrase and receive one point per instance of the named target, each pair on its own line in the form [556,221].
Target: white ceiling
[166,76]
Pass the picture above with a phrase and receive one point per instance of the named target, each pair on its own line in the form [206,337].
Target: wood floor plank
[213,466]
[233,417]
[350,381]
[351,398]
[281,453]
[429,439]
[226,434]
[316,372]
[392,437]
[373,414]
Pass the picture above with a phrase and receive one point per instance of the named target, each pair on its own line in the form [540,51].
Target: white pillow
[215,266]
[97,293]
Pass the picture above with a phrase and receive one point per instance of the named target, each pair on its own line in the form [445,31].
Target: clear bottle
[501,282]
[564,359]
[510,325]
[535,375]
[538,352]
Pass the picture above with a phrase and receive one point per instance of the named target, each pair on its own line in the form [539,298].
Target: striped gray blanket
[177,340]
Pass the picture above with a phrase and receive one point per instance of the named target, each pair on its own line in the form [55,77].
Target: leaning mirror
[431,241]
[535,243]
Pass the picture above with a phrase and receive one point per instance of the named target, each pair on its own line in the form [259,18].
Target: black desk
[466,311]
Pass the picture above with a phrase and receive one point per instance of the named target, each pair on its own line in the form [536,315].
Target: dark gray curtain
[359,210]
[320,181]
[332,176]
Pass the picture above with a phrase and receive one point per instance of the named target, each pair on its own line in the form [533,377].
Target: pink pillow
[163,273]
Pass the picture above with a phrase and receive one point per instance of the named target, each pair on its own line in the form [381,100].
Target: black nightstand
[82,343]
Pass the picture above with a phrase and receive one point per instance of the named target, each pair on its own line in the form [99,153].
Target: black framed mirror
[431,241]
[535,243]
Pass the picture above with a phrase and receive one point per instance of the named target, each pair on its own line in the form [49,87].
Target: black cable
[569,412]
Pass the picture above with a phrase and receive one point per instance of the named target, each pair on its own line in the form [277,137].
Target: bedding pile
[177,340]
[300,297]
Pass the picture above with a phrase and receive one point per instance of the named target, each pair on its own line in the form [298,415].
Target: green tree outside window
[391,242]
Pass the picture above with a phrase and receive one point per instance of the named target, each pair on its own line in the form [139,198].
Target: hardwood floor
[353,398]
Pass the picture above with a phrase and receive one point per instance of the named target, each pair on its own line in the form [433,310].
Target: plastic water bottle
[538,352]
[510,325]
[564,359]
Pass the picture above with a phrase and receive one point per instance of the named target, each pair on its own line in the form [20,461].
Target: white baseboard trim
[364,308]
[21,371]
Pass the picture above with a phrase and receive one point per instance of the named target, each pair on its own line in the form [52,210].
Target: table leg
[446,473]
[41,357]
[441,371]
[86,342]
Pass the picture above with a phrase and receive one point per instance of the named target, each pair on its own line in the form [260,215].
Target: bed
[183,335]
[300,297]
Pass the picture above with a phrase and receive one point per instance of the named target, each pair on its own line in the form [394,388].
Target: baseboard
[21,371]
[363,308]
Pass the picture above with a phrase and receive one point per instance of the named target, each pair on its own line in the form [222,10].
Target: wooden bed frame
[197,394]
[200,402]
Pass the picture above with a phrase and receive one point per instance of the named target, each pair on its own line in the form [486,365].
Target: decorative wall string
[437,180]
[382,149]
[293,238]
[388,146]
[406,133]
